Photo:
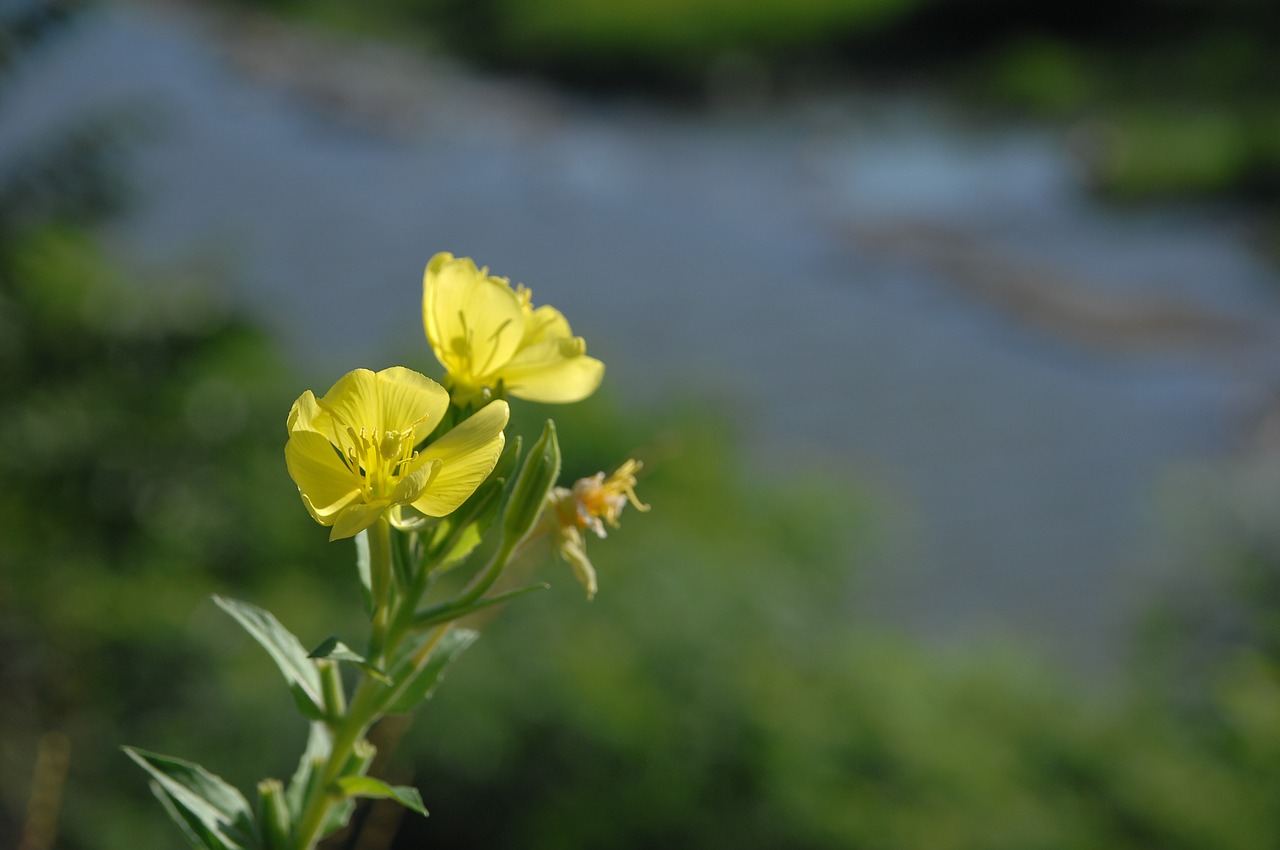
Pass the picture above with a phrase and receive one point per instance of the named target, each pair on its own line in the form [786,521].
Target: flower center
[379,459]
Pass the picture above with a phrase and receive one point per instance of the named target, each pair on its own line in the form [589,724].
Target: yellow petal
[552,378]
[356,518]
[430,300]
[406,398]
[412,485]
[468,454]
[391,400]
[545,323]
[353,402]
[320,474]
[474,322]
[303,412]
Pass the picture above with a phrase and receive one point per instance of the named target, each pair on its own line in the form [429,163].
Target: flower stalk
[380,572]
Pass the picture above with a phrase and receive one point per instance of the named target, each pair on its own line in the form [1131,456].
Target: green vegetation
[1165,98]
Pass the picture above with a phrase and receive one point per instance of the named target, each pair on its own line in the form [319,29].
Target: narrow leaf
[431,617]
[419,683]
[197,835]
[209,809]
[338,817]
[464,528]
[336,650]
[364,570]
[285,649]
[405,559]
[367,786]
[333,648]
[302,785]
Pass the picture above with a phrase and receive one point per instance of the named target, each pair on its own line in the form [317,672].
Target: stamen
[525,295]
[493,347]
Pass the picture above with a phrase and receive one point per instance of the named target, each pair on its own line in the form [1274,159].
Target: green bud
[508,460]
[273,814]
[334,696]
[362,753]
[528,495]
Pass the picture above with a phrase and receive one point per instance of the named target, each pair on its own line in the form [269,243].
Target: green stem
[407,605]
[392,617]
[345,737]
[380,579]
[349,727]
[476,588]
[419,658]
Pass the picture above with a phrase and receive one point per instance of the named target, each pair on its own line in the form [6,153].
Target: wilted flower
[591,504]
[486,334]
[354,453]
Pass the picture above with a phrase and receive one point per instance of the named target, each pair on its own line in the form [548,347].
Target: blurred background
[948,331]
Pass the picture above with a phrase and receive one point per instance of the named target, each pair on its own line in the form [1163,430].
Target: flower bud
[529,494]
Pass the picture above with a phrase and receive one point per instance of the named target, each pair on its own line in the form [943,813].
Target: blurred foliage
[143,473]
[715,694]
[1166,98]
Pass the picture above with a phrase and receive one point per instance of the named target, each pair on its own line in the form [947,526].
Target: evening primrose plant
[421,476]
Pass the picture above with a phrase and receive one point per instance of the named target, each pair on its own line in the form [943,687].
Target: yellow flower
[353,453]
[592,503]
[486,334]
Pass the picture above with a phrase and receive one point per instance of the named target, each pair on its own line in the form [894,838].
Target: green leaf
[363,569]
[367,786]
[362,754]
[406,558]
[336,650]
[196,834]
[418,684]
[529,495]
[432,617]
[302,785]
[333,648]
[463,530]
[338,817]
[306,779]
[285,649]
[211,813]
